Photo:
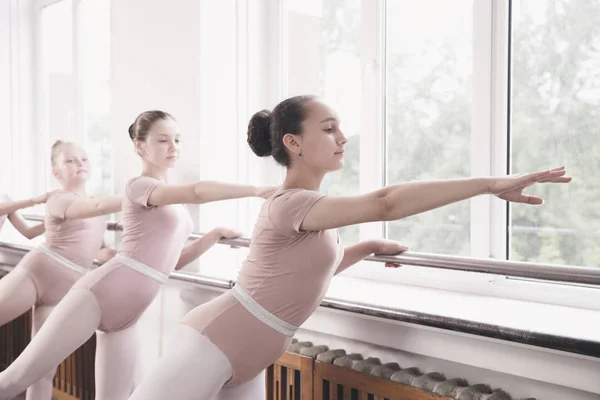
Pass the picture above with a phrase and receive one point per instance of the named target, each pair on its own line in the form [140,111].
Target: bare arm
[354,254]
[400,201]
[105,254]
[88,208]
[24,228]
[9,207]
[204,192]
[197,247]
[390,203]
[358,252]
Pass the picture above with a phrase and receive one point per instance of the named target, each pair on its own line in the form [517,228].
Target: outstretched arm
[403,200]
[197,247]
[88,208]
[204,192]
[9,207]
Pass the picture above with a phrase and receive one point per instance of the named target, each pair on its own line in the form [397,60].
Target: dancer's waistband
[61,260]
[142,268]
[261,313]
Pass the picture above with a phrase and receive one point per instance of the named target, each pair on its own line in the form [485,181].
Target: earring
[299,154]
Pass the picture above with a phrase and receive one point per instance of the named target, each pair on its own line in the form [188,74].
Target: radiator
[336,375]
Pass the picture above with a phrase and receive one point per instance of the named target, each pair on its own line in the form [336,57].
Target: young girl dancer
[112,297]
[294,251]
[75,229]
[9,208]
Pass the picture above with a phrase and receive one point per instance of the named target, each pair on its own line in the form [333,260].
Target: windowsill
[480,284]
[531,318]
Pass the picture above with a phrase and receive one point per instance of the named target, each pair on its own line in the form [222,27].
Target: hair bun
[132,131]
[259,136]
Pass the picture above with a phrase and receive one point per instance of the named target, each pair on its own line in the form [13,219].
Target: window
[59,87]
[409,84]
[555,106]
[324,58]
[429,67]
[75,92]
[95,67]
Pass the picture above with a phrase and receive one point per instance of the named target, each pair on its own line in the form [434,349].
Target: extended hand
[389,248]
[510,188]
[226,233]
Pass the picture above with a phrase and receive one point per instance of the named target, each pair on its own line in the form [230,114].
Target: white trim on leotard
[142,268]
[261,314]
[61,260]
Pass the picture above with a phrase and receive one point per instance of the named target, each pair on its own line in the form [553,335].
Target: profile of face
[321,145]
[161,145]
[70,164]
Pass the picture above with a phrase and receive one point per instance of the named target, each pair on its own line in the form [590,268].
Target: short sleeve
[58,202]
[139,189]
[287,211]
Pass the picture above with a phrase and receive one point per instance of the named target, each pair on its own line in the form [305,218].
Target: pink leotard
[153,236]
[77,240]
[287,272]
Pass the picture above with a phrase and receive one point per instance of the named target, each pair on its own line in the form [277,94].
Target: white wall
[154,65]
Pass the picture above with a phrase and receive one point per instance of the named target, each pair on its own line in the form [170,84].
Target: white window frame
[43,181]
[490,130]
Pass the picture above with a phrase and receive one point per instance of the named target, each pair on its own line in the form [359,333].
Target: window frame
[45,180]
[490,125]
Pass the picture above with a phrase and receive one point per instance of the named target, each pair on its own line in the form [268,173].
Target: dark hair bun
[259,137]
[132,131]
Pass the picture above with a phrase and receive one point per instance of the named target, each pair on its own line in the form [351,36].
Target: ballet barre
[520,269]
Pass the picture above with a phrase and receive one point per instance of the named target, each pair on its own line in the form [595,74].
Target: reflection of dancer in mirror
[222,347]
[75,227]
[111,298]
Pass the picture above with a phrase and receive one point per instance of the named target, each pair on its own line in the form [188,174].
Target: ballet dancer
[75,227]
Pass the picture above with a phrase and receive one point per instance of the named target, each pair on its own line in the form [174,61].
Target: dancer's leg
[251,390]
[71,324]
[42,389]
[193,368]
[116,356]
[17,295]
